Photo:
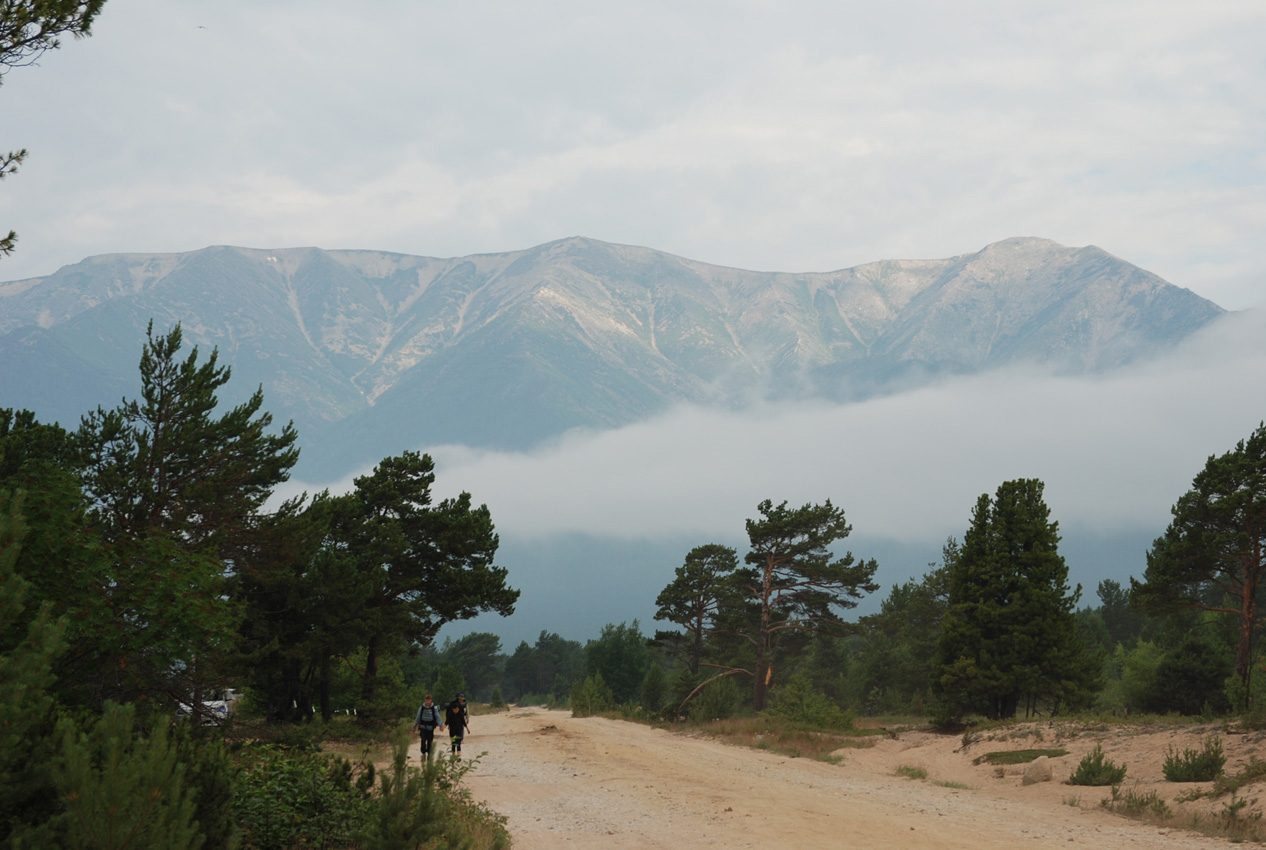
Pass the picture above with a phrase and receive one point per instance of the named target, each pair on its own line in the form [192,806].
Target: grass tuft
[787,739]
[1135,804]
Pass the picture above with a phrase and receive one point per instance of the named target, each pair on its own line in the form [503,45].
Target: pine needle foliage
[1096,769]
[1203,765]
[123,790]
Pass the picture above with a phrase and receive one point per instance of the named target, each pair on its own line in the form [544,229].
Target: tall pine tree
[793,584]
[1213,555]
[175,485]
[1009,637]
[420,565]
[692,599]
[29,643]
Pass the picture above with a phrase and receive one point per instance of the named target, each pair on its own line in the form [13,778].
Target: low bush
[591,696]
[717,700]
[798,702]
[1254,771]
[287,798]
[1203,765]
[427,808]
[1095,769]
[1135,804]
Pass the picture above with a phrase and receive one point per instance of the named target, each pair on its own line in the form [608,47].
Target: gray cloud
[1115,452]
[792,136]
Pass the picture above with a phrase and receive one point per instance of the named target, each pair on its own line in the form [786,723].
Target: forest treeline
[142,578]
[993,629]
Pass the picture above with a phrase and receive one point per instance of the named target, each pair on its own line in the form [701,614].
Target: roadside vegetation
[181,668]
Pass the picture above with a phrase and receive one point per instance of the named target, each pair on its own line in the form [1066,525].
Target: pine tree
[692,598]
[411,810]
[122,789]
[793,583]
[620,656]
[422,565]
[1212,556]
[654,688]
[175,487]
[1009,637]
[894,662]
[29,644]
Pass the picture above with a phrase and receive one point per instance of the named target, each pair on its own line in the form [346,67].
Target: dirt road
[593,782]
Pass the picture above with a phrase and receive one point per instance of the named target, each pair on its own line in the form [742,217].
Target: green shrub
[943,715]
[719,699]
[497,702]
[590,697]
[654,688]
[682,684]
[526,700]
[290,798]
[798,702]
[1254,771]
[210,776]
[1203,765]
[1250,703]
[122,789]
[1135,804]
[409,812]
[1094,769]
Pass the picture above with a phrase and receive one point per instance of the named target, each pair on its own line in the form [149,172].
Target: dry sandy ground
[599,783]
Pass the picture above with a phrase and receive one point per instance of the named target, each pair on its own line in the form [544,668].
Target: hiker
[428,719]
[458,721]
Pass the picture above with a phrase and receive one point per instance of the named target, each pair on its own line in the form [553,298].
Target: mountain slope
[371,352]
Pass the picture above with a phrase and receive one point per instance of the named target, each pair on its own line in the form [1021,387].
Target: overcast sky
[790,136]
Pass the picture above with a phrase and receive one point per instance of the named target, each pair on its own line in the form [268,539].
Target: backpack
[434,720]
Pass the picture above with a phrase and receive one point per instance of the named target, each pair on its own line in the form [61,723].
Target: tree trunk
[761,684]
[696,651]
[323,688]
[1248,615]
[196,708]
[370,679]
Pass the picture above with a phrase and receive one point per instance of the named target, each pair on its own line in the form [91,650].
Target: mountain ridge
[370,348]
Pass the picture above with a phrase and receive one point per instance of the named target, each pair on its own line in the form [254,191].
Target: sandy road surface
[593,782]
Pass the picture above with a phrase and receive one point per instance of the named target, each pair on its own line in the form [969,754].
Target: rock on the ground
[1038,770]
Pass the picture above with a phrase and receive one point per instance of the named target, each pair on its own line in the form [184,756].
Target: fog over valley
[594,523]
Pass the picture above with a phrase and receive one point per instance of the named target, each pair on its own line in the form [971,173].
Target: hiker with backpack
[457,719]
[428,720]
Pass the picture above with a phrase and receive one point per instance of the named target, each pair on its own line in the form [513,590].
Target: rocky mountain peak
[364,348]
